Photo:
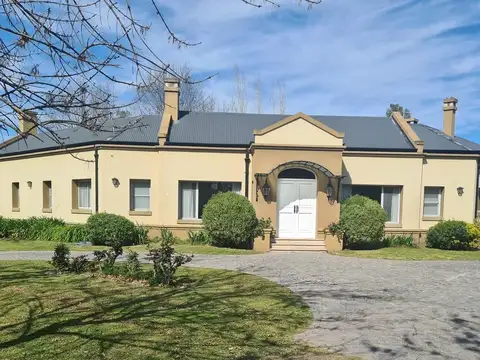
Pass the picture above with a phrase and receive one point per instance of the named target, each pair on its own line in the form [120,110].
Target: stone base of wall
[263,244]
[419,235]
[180,231]
[260,244]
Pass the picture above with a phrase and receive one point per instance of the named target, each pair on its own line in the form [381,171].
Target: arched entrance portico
[296,204]
[299,202]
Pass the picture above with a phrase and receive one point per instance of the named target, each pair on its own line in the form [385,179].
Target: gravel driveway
[377,309]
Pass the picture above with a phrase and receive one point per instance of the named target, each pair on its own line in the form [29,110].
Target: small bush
[61,258]
[362,223]
[167,235]
[111,230]
[399,241]
[105,259]
[198,238]
[474,234]
[450,235]
[79,264]
[75,233]
[230,221]
[262,224]
[6,226]
[141,233]
[166,262]
[132,267]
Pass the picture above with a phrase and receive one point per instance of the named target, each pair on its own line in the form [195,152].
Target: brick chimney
[449,110]
[28,122]
[172,97]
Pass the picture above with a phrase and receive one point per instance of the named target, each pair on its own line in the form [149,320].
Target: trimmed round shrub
[362,222]
[450,235]
[230,220]
[110,229]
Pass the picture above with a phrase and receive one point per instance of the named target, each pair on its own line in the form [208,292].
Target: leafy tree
[398,108]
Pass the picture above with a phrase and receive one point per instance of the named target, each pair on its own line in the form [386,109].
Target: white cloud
[342,57]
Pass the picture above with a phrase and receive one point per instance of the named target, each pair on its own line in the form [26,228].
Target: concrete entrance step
[299,242]
[298,245]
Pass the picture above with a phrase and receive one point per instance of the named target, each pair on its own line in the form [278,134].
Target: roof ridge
[445,136]
[186,112]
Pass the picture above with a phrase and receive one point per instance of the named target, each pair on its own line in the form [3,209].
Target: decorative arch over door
[308,165]
[262,179]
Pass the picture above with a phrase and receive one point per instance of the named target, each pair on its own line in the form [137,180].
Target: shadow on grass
[211,314]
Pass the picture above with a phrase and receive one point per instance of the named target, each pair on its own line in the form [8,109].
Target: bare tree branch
[193,96]
[61,59]
[258,95]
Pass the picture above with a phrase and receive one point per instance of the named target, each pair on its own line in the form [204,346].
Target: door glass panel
[296,174]
[287,194]
[307,193]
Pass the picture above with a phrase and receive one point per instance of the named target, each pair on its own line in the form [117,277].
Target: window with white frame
[140,195]
[194,195]
[83,193]
[387,196]
[432,201]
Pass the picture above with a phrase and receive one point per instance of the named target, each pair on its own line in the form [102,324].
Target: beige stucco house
[294,169]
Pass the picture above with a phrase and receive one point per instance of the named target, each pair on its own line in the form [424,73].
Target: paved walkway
[377,309]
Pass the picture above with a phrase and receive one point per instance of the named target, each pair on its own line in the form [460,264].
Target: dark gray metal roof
[237,130]
[437,141]
[130,130]
[233,129]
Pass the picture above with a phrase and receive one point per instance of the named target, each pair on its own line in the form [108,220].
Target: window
[47,195]
[195,195]
[81,194]
[387,196]
[16,196]
[140,195]
[432,201]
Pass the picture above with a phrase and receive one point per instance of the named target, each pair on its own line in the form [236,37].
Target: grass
[210,314]
[412,254]
[24,245]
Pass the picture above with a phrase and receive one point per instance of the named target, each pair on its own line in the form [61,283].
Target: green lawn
[22,245]
[412,254]
[211,314]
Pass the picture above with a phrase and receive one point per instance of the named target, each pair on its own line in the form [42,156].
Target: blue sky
[342,57]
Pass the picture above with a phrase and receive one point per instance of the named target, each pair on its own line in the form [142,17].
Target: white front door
[296,199]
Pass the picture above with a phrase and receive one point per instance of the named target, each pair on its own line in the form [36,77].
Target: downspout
[247,171]
[420,203]
[96,179]
[476,190]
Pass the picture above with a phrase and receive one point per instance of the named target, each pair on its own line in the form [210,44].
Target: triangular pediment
[299,129]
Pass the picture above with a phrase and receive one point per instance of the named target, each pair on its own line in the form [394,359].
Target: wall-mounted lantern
[115,182]
[266,189]
[460,191]
[29,184]
[329,190]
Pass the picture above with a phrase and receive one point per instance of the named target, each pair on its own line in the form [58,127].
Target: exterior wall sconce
[115,182]
[29,184]
[266,189]
[329,190]
[460,191]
